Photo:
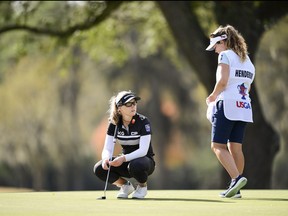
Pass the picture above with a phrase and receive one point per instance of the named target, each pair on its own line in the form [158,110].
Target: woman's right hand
[105,164]
[210,98]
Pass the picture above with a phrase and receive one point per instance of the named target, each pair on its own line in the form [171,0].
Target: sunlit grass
[157,202]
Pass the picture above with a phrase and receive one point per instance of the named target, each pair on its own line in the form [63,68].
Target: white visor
[213,41]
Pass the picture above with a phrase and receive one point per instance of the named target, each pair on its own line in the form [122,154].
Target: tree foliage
[66,61]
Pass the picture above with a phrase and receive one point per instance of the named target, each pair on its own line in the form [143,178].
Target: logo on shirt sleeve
[147,127]
[221,57]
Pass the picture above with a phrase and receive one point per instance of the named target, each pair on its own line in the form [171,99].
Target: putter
[108,173]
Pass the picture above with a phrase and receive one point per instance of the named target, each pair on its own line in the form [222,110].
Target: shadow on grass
[226,200]
[181,199]
[268,199]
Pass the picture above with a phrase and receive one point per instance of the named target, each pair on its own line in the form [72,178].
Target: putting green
[157,202]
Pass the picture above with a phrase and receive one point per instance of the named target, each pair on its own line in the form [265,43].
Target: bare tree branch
[87,24]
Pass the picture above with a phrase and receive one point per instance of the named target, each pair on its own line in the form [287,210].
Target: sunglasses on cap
[129,104]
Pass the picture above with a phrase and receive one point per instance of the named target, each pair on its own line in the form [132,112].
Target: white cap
[214,40]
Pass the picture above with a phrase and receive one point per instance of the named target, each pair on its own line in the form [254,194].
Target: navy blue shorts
[224,130]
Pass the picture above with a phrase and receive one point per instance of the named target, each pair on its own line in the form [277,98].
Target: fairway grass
[157,202]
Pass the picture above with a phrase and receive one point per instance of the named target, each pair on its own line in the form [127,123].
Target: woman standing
[234,76]
[133,132]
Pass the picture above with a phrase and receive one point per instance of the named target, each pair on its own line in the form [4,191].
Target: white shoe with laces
[235,186]
[237,195]
[125,190]
[140,192]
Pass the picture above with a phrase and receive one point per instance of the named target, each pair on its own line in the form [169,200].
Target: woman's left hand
[117,161]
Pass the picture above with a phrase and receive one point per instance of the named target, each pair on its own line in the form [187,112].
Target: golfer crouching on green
[133,132]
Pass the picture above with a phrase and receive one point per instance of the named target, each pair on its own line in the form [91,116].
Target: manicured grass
[157,202]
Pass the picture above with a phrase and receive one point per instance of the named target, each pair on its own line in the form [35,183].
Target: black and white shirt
[135,140]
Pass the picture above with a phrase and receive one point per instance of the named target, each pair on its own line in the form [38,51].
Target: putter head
[101,198]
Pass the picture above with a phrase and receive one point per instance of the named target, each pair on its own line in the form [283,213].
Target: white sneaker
[139,193]
[125,190]
[235,186]
[237,195]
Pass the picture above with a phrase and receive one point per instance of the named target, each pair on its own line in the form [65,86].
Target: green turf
[157,202]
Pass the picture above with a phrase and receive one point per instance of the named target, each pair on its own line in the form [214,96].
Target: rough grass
[157,202]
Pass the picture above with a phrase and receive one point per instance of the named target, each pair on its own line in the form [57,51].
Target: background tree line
[62,61]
